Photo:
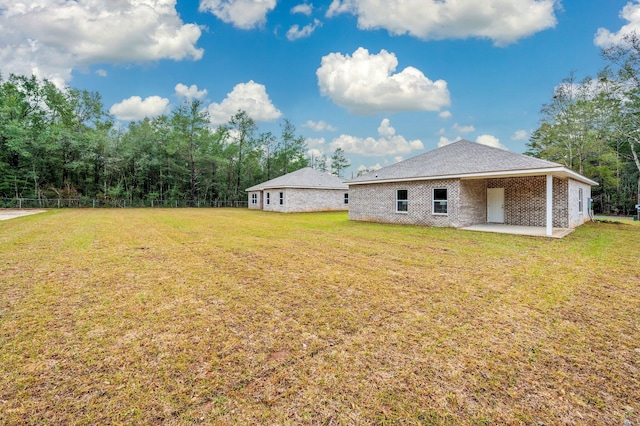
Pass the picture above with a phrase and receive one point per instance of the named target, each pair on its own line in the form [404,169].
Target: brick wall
[258,204]
[525,200]
[377,203]
[524,204]
[473,202]
[301,200]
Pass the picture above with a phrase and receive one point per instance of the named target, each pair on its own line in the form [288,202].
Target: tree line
[593,127]
[63,144]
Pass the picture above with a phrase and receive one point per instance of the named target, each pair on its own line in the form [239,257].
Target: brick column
[549,205]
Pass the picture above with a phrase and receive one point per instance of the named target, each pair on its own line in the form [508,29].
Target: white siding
[577,217]
[302,200]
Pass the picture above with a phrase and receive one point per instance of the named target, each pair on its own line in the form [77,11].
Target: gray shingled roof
[303,178]
[462,158]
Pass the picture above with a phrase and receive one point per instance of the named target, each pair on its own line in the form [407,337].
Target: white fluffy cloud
[319,126]
[464,129]
[243,14]
[364,83]
[135,108]
[190,92]
[520,135]
[49,38]
[316,147]
[446,141]
[503,21]
[490,140]
[445,115]
[316,143]
[295,32]
[250,97]
[305,9]
[630,13]
[363,168]
[387,143]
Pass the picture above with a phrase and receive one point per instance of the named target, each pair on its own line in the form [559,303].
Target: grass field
[209,316]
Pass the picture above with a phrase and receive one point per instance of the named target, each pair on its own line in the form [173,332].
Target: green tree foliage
[62,144]
[50,140]
[320,163]
[339,162]
[593,127]
[190,131]
[624,96]
[290,153]
[573,128]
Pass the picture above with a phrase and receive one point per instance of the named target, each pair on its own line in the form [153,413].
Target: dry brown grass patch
[241,317]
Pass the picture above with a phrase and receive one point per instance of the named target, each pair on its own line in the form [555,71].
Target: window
[580,200]
[402,200]
[440,201]
[254,198]
[346,198]
[281,198]
[268,198]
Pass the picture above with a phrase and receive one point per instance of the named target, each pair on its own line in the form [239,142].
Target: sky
[383,80]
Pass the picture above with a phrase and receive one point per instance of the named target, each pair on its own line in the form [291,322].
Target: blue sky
[383,80]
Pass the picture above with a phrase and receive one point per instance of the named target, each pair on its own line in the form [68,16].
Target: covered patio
[534,231]
[549,204]
[467,185]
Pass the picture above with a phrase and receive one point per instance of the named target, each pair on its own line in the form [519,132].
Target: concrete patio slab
[534,231]
[11,213]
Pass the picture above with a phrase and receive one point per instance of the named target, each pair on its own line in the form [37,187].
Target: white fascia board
[579,177]
[559,171]
[302,187]
[556,171]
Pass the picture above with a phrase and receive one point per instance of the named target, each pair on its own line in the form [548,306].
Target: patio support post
[549,205]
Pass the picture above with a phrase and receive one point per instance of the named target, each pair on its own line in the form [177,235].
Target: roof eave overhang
[555,171]
[264,188]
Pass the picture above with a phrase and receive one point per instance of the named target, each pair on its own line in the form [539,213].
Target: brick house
[305,190]
[465,184]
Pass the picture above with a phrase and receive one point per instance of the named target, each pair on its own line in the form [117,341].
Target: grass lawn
[183,316]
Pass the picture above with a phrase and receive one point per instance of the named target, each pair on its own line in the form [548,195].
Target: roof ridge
[306,177]
[462,157]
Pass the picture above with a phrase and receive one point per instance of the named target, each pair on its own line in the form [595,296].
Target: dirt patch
[11,213]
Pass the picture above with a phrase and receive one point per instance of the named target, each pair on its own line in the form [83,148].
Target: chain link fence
[59,203]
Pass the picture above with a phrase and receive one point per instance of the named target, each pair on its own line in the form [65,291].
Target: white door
[495,205]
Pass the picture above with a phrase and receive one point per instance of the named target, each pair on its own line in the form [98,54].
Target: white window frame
[580,201]
[282,198]
[268,198]
[254,199]
[346,198]
[405,201]
[439,201]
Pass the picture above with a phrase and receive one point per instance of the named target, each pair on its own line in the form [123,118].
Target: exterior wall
[473,202]
[304,200]
[576,216]
[377,203]
[258,204]
[560,203]
[525,200]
